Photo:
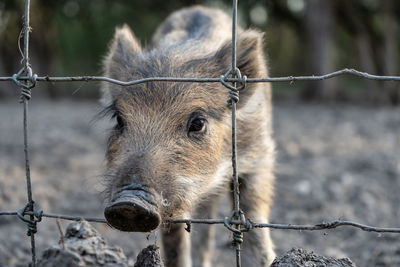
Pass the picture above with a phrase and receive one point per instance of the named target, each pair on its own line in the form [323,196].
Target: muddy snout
[133,209]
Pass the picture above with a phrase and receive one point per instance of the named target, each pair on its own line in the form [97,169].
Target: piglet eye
[120,121]
[197,125]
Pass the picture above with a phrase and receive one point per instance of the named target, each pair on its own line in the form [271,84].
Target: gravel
[333,162]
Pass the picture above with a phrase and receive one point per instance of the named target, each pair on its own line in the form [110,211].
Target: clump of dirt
[149,257]
[297,257]
[82,246]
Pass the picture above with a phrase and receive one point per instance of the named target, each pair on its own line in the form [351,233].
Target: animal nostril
[133,209]
[132,216]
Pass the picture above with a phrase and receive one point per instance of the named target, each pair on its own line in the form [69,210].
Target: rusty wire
[290,79]
[233,99]
[34,214]
[315,227]
[233,80]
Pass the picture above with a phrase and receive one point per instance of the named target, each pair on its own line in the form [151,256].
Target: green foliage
[70,37]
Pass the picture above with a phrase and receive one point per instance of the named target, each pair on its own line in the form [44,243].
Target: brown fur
[153,146]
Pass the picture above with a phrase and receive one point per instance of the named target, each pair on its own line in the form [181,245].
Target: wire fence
[236,222]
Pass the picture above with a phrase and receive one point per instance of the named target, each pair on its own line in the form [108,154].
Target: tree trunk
[390,52]
[319,27]
[368,65]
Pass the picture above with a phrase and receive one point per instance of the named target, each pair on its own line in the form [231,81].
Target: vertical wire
[25,125]
[26,59]
[234,23]
[26,33]
[234,145]
[28,180]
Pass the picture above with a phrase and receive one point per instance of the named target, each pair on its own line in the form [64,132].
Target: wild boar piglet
[170,150]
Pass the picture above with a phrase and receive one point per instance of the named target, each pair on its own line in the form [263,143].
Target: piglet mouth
[133,209]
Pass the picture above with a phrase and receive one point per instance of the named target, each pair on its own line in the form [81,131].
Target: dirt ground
[333,162]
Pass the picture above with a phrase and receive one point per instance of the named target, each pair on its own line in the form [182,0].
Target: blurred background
[303,37]
[338,141]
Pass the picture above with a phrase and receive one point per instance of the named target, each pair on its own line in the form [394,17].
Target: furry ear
[124,47]
[249,59]
[249,56]
[122,50]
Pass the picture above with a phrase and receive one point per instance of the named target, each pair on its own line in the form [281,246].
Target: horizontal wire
[58,216]
[346,71]
[328,225]
[316,227]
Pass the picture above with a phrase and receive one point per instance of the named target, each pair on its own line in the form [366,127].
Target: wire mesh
[233,80]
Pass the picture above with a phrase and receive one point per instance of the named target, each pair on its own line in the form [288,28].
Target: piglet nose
[133,209]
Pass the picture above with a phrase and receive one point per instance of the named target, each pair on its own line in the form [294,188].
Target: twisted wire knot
[27,83]
[25,95]
[234,91]
[237,238]
[233,96]
[243,226]
[30,209]
[329,225]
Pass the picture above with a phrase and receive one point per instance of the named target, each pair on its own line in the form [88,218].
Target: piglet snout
[133,209]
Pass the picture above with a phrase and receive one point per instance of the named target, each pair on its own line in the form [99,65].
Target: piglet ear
[249,60]
[120,58]
[124,47]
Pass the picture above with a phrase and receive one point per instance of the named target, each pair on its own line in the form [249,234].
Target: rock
[149,257]
[300,258]
[83,247]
